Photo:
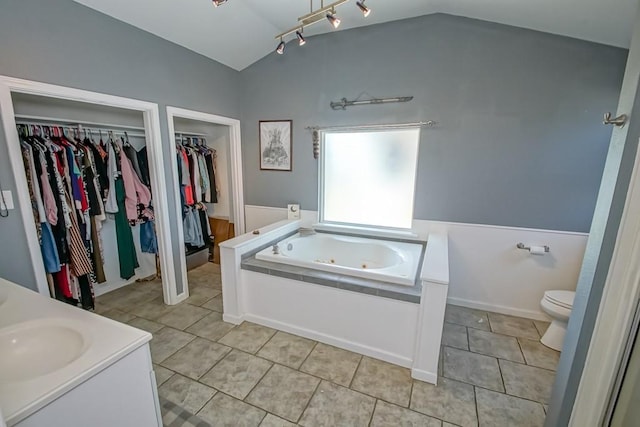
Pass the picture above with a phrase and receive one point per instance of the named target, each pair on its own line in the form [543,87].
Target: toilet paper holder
[528,248]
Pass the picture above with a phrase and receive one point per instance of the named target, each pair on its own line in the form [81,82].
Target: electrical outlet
[293,211]
[6,201]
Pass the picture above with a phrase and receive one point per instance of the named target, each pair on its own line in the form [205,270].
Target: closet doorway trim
[235,154]
[151,116]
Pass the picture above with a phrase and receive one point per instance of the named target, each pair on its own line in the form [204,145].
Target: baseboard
[428,377]
[529,314]
[230,318]
[375,353]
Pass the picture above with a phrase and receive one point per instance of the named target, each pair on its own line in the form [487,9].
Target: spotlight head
[301,39]
[280,48]
[217,3]
[365,10]
[333,19]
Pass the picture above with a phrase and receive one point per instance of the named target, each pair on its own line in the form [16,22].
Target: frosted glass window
[368,177]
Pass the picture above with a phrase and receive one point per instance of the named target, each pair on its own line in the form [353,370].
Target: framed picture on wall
[276,145]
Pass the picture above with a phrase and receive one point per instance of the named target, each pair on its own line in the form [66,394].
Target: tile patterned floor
[494,371]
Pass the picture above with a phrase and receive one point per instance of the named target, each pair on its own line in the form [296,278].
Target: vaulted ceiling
[240,32]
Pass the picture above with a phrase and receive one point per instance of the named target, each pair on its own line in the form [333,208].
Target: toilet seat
[560,298]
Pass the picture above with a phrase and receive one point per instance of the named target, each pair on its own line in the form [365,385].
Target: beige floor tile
[472,368]
[333,405]
[214,304]
[538,354]
[466,317]
[196,358]
[162,374]
[388,415]
[514,326]
[146,325]
[135,298]
[497,409]
[248,337]
[167,341]
[450,400]
[211,327]
[287,349]
[332,363]
[455,336]
[527,382]
[283,392]
[118,315]
[237,373]
[225,411]
[198,295]
[183,316]
[383,380]
[541,326]
[272,421]
[497,345]
[152,309]
[188,394]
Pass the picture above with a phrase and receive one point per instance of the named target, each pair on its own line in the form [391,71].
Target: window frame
[367,228]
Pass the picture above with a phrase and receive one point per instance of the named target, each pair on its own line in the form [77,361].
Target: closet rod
[94,130]
[189,134]
[54,121]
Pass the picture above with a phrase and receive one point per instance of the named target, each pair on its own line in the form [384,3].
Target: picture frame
[276,145]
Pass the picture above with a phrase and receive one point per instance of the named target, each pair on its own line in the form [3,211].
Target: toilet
[558,305]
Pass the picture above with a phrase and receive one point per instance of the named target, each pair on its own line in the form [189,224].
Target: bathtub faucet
[276,249]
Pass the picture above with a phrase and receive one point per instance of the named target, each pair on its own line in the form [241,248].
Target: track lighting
[333,19]
[301,39]
[217,3]
[315,15]
[365,10]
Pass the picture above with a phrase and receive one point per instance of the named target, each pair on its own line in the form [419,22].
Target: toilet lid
[561,298]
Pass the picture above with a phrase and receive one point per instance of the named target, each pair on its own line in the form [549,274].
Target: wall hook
[618,121]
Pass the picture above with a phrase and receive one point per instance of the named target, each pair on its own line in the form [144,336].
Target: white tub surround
[487,271]
[87,368]
[385,260]
[396,323]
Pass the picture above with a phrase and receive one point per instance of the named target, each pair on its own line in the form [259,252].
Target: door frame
[150,112]
[616,316]
[237,185]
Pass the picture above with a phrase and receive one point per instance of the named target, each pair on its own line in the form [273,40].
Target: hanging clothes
[126,249]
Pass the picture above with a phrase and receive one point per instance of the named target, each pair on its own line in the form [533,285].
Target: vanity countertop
[26,315]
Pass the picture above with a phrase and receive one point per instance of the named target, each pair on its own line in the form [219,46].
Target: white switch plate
[8,199]
[293,211]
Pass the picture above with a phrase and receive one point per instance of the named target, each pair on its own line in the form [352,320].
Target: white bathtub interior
[375,259]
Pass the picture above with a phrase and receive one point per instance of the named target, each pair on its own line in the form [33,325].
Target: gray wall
[520,140]
[62,42]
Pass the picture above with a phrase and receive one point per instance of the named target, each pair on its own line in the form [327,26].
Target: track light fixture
[333,19]
[315,15]
[365,10]
[301,40]
[217,3]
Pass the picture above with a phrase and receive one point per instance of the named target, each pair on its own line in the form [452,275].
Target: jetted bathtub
[385,260]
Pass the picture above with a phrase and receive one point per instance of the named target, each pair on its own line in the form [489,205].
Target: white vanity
[61,366]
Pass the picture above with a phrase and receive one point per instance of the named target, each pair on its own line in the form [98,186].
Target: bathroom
[516,153]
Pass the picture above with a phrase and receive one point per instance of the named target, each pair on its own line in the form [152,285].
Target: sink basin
[36,348]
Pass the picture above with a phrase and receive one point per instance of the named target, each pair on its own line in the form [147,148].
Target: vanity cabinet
[123,394]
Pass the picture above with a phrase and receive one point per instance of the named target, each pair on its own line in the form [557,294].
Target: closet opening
[94,206]
[208,173]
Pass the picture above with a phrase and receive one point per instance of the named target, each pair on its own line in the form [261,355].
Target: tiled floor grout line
[355,372]
[315,390]
[502,358]
[375,405]
[305,359]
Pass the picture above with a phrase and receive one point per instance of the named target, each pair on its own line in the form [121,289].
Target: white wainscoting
[487,271]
